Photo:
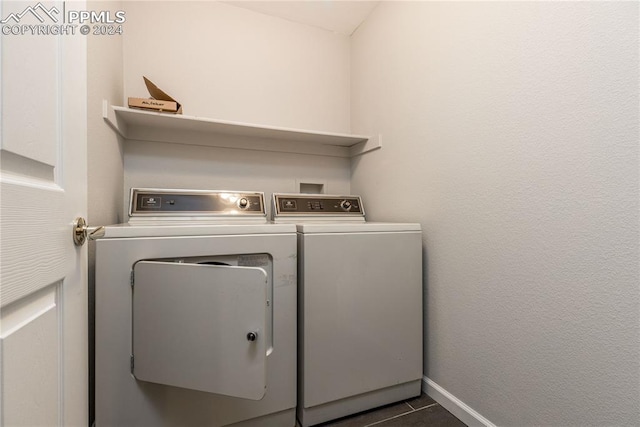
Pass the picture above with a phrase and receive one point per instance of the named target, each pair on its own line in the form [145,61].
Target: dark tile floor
[419,411]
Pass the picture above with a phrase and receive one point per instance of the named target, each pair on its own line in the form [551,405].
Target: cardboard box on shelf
[159,101]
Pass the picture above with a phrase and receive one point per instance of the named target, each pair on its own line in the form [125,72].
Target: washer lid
[355,227]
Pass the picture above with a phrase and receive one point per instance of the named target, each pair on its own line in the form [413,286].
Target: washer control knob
[243,203]
[252,336]
[345,205]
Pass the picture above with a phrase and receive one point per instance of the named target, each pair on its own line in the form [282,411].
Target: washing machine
[359,306]
[196,313]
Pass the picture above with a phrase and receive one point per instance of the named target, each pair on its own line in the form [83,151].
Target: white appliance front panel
[201,327]
[123,401]
[361,323]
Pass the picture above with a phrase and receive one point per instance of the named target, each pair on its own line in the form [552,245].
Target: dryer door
[200,327]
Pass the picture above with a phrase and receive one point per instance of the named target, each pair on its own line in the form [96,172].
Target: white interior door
[43,292]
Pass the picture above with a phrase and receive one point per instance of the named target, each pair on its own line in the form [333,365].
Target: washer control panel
[317,204]
[163,202]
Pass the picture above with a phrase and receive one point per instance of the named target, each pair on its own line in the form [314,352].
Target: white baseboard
[457,407]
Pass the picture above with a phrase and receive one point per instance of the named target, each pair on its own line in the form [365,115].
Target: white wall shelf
[142,125]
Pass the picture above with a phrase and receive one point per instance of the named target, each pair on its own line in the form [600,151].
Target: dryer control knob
[243,203]
[346,205]
[252,336]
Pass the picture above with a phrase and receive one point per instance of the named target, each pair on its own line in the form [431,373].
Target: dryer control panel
[317,204]
[164,202]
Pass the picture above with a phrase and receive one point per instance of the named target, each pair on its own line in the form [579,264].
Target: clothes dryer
[196,313]
[359,306]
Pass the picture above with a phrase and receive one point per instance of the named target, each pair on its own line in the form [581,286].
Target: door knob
[82,232]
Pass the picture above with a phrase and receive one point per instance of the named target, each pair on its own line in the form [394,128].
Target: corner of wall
[451,403]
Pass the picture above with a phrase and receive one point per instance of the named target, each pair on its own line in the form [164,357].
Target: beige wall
[229,63]
[152,164]
[224,62]
[105,163]
[510,132]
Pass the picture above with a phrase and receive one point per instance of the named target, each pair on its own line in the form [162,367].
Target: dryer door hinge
[132,278]
[131,363]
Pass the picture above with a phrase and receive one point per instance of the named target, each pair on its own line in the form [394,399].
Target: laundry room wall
[162,165]
[510,132]
[105,158]
[105,164]
[225,62]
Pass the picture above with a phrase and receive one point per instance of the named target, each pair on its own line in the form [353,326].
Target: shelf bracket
[109,116]
[373,143]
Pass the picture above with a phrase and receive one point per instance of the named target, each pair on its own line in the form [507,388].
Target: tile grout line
[401,415]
